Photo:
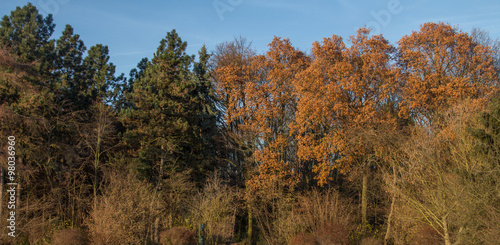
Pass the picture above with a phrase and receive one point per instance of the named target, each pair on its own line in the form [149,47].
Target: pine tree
[70,82]
[206,115]
[26,34]
[100,74]
[123,88]
[172,117]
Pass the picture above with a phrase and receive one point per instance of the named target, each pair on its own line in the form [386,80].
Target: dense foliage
[358,142]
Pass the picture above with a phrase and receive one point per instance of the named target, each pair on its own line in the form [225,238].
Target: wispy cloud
[131,53]
[122,19]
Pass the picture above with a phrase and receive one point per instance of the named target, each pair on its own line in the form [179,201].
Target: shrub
[303,239]
[447,179]
[124,213]
[331,233]
[216,207]
[326,234]
[176,198]
[323,215]
[70,236]
[177,236]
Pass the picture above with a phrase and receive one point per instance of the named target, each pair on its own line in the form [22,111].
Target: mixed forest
[359,141]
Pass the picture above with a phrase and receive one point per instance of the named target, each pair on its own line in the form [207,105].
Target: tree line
[359,142]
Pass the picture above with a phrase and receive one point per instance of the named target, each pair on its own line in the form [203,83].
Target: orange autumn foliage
[231,73]
[271,106]
[311,115]
[441,66]
[343,92]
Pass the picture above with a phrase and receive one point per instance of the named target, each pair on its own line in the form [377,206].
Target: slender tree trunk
[73,204]
[96,163]
[446,233]
[43,213]
[391,212]
[250,226]
[156,227]
[389,219]
[364,201]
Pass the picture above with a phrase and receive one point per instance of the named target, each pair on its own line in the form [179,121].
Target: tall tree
[70,82]
[345,96]
[97,140]
[231,64]
[344,90]
[27,34]
[100,74]
[442,65]
[171,106]
[449,180]
[206,114]
[271,107]
[123,88]
[231,72]
[48,101]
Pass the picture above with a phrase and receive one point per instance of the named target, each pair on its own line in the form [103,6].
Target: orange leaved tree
[345,96]
[272,104]
[441,66]
[230,73]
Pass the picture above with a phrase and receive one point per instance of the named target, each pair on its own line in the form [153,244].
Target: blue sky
[133,29]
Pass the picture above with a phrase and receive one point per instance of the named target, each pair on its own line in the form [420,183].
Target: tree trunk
[389,219]
[96,163]
[250,226]
[387,233]
[157,229]
[364,201]
[446,233]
